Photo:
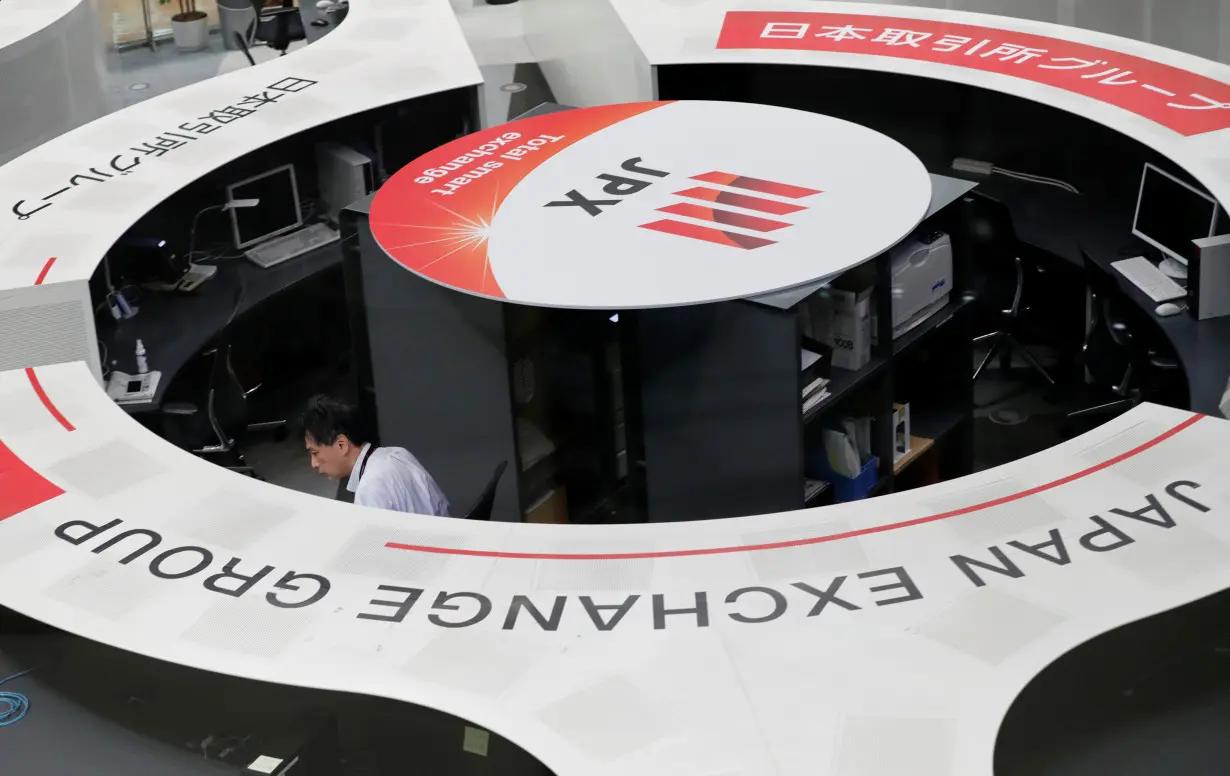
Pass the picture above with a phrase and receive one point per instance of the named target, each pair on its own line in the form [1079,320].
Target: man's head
[333,436]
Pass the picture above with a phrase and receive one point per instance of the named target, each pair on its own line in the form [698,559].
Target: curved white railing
[831,640]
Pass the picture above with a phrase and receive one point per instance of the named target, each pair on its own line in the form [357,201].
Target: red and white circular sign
[650,205]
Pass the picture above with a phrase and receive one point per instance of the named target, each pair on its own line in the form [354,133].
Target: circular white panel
[651,204]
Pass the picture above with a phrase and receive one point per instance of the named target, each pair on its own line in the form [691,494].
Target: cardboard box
[841,319]
[551,508]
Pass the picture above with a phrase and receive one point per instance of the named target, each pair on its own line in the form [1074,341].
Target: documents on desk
[191,280]
[133,389]
[1149,279]
[195,276]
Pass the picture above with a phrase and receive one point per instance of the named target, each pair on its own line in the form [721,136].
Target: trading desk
[1061,224]
[60,736]
[175,326]
[865,639]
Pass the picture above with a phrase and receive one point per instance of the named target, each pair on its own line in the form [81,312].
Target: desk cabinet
[465,383]
[717,427]
[721,430]
[667,414]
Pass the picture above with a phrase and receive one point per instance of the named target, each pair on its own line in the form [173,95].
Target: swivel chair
[276,27]
[1120,353]
[993,246]
[486,500]
[217,426]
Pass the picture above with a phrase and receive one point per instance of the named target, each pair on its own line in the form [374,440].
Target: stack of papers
[532,444]
[811,488]
[815,392]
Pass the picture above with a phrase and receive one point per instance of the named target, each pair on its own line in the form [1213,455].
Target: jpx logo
[616,186]
[634,178]
[725,220]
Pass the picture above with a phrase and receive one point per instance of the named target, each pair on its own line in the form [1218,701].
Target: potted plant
[190,26]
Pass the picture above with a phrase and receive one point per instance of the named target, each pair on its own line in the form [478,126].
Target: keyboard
[1149,279]
[279,249]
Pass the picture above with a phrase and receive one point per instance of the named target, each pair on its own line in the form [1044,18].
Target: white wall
[586,53]
[51,65]
[1200,27]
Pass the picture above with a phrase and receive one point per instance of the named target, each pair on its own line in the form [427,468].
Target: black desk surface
[61,738]
[175,326]
[1061,224]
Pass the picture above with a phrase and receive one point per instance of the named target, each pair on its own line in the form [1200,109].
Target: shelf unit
[466,382]
[663,414]
[717,427]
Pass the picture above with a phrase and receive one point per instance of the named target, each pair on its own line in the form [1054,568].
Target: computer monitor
[278,211]
[1171,213]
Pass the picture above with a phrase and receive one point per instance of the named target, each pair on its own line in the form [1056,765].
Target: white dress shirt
[394,479]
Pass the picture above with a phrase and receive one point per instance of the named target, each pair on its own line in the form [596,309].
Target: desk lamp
[234,204]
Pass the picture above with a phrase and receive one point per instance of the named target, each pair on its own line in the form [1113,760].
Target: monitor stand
[1174,270]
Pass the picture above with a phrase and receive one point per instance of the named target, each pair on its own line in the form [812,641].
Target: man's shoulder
[393,458]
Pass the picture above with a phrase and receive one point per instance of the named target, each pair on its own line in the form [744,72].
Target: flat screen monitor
[278,211]
[1171,213]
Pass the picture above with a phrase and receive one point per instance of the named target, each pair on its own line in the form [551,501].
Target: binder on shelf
[901,430]
[846,488]
[843,459]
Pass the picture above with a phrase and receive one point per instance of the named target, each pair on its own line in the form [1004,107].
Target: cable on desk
[1024,176]
[106,365]
[13,705]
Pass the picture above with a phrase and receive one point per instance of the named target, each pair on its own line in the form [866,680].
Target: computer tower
[344,176]
[1208,277]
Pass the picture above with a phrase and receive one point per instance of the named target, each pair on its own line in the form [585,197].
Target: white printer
[921,278]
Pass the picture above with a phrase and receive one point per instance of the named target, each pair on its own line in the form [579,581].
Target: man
[381,477]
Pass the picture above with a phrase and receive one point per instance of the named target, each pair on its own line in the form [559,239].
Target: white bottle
[142,364]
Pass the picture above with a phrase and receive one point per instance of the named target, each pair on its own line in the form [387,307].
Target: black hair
[325,419]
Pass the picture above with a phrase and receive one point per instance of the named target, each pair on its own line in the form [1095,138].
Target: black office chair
[217,426]
[999,275]
[275,27]
[482,508]
[1122,351]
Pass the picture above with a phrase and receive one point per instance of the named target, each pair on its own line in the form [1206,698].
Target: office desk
[59,736]
[1061,224]
[920,686]
[175,326]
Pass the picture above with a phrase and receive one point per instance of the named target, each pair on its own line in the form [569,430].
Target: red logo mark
[727,218]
